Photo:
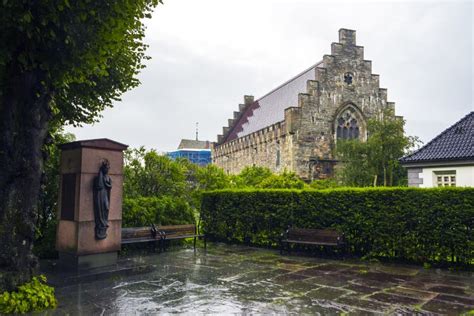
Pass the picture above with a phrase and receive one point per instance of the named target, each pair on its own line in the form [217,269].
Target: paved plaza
[242,280]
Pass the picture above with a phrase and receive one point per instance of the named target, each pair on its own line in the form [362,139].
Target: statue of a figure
[102,186]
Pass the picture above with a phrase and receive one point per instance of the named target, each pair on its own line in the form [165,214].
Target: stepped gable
[270,108]
[455,143]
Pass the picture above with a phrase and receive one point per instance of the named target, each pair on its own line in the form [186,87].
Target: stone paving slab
[242,280]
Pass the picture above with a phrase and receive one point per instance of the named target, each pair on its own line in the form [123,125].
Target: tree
[375,162]
[61,62]
[252,176]
[148,174]
[46,221]
[211,177]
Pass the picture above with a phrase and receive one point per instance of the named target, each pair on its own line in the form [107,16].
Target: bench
[306,236]
[133,235]
[174,232]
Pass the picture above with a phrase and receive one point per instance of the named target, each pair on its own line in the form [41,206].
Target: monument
[90,203]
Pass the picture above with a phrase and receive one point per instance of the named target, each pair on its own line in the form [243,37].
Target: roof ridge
[290,80]
[251,107]
[438,136]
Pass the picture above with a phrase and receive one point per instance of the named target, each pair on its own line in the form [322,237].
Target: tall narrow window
[348,124]
[278,158]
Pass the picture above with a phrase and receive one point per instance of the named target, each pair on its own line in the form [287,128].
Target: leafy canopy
[85,53]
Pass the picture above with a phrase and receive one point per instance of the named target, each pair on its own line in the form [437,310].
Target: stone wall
[343,85]
[271,147]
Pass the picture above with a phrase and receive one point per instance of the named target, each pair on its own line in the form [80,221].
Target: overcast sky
[207,54]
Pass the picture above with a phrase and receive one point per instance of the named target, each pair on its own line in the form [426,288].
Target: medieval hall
[296,126]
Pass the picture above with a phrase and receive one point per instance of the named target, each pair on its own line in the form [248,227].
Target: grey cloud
[202,64]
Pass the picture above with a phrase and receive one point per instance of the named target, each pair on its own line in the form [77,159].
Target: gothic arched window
[348,124]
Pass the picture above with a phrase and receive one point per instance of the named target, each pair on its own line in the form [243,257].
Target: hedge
[416,225]
[143,211]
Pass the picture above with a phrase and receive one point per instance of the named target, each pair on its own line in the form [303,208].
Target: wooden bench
[174,232]
[306,236]
[133,235]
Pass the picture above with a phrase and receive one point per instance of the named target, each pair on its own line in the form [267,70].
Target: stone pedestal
[75,240]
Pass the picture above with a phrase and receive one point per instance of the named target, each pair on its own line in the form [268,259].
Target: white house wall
[464,176]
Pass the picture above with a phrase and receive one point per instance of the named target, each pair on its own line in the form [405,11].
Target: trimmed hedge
[143,211]
[418,225]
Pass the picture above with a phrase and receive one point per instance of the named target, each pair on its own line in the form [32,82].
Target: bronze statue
[102,187]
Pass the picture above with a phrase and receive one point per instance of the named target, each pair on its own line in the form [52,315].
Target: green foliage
[148,174]
[163,191]
[211,177]
[252,176]
[324,184]
[45,236]
[375,162]
[286,180]
[144,211]
[417,225]
[31,297]
[84,54]
[61,62]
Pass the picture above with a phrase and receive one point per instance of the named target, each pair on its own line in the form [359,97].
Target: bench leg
[194,243]
[205,242]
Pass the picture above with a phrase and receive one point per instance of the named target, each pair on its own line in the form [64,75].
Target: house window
[445,178]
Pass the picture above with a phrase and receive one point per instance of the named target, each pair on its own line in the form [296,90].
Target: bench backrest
[136,232]
[177,230]
[314,235]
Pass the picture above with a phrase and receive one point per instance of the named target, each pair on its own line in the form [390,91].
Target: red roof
[270,108]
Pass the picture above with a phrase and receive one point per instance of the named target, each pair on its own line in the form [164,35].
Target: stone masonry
[341,95]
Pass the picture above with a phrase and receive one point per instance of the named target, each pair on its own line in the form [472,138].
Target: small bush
[324,184]
[45,243]
[286,180]
[31,297]
[144,211]
[417,225]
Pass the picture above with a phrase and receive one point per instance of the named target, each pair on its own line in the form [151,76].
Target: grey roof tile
[194,144]
[455,143]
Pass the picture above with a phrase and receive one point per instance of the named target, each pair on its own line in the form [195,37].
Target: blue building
[196,151]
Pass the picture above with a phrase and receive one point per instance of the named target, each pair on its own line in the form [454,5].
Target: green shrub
[165,210]
[323,184]
[418,225]
[45,243]
[286,180]
[33,296]
[251,176]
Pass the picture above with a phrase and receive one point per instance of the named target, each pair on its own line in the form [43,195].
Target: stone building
[296,126]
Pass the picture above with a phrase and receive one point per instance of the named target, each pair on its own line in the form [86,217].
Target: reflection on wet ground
[235,279]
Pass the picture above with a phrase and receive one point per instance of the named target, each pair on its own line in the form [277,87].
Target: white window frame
[445,178]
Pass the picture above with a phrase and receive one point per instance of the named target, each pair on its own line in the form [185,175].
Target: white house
[447,160]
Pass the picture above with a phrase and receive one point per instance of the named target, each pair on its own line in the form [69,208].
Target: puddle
[242,280]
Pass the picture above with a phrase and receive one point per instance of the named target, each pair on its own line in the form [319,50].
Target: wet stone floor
[241,280]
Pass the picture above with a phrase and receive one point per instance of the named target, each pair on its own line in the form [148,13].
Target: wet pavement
[241,280]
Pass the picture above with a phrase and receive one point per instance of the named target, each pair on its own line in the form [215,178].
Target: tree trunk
[24,116]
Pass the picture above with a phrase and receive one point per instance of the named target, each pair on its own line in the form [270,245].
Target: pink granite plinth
[75,238]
